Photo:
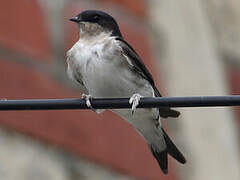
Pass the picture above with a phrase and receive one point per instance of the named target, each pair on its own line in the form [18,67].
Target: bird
[104,65]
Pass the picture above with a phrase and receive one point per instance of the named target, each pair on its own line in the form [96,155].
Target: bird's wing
[140,68]
[136,61]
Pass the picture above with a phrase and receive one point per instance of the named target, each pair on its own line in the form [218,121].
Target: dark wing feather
[143,71]
[136,61]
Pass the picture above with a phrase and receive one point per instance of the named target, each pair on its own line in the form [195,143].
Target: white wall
[190,64]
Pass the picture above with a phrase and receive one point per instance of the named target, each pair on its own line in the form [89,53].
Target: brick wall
[234,83]
[30,69]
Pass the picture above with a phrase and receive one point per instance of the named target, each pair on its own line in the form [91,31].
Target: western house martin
[106,66]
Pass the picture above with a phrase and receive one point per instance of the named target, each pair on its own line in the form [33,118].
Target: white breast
[103,69]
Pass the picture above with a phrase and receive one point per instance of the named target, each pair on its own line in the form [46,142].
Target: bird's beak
[75,19]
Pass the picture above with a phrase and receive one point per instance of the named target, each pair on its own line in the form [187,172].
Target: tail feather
[172,149]
[162,159]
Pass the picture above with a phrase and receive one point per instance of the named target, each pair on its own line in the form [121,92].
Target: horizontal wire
[119,103]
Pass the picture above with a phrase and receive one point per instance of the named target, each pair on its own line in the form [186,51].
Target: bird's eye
[96,18]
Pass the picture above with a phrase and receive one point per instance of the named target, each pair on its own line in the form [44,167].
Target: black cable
[119,103]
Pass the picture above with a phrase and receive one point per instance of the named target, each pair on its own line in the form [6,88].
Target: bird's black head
[91,19]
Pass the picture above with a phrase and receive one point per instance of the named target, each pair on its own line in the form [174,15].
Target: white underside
[105,72]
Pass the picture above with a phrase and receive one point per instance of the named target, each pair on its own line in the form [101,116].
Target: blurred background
[190,46]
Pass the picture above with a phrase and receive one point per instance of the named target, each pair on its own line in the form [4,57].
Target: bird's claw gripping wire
[134,101]
[87,98]
[89,105]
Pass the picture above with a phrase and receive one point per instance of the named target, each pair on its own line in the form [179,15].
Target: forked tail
[171,149]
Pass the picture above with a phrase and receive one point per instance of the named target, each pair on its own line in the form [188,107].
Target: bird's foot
[134,100]
[88,98]
[89,105]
